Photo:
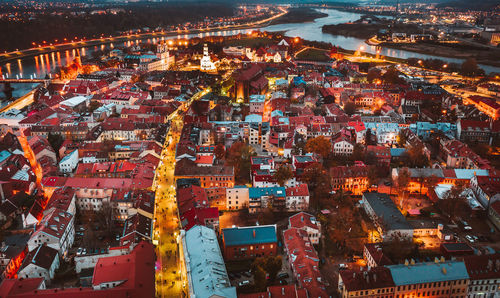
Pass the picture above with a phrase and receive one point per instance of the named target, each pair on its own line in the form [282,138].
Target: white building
[69,163]
[56,230]
[89,260]
[308,223]
[342,146]
[237,197]
[297,198]
[206,270]
[40,262]
[206,63]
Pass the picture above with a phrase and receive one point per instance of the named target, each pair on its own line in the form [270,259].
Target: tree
[283,174]
[259,279]
[319,184]
[403,179]
[350,108]
[219,151]
[55,141]
[358,152]
[454,203]
[416,156]
[373,73]
[369,137]
[469,68]
[401,138]
[319,145]
[271,265]
[391,76]
[238,156]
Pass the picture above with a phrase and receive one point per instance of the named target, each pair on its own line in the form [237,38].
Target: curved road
[6,57]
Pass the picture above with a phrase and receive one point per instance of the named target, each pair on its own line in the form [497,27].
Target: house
[342,145]
[486,189]
[390,222]
[308,223]
[263,197]
[304,262]
[237,197]
[381,154]
[370,282]
[214,176]
[288,291]
[350,178]
[249,242]
[437,279]
[131,274]
[374,255]
[88,260]
[12,253]
[40,262]
[137,228]
[205,266]
[484,273]
[473,131]
[56,230]
[494,214]
[297,198]
[69,162]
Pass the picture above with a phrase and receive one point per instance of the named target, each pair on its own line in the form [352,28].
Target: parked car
[469,238]
[283,275]
[468,228]
[79,251]
[243,283]
[342,266]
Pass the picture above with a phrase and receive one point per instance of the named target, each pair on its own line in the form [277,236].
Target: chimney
[283,291]
[406,262]
[253,233]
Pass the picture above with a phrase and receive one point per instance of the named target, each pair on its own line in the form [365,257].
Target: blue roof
[253,118]
[397,151]
[428,272]
[245,235]
[4,155]
[469,173]
[257,192]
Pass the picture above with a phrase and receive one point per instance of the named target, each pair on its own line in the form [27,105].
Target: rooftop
[249,235]
[428,272]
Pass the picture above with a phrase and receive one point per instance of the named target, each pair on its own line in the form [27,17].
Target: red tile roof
[483,267]
[301,220]
[375,278]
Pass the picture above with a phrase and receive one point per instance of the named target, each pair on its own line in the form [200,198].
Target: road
[171,279]
[5,57]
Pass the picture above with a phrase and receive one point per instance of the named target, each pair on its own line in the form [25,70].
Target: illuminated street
[171,279]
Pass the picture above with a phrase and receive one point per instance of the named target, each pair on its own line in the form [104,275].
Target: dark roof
[483,267]
[375,278]
[457,246]
[43,256]
[386,210]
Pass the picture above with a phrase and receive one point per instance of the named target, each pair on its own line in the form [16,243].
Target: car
[243,283]
[79,233]
[342,266]
[81,229]
[283,275]
[283,282]
[469,238]
[79,251]
[117,237]
[84,252]
[475,238]
[468,228]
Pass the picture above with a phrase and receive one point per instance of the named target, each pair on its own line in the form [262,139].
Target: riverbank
[368,26]
[299,15]
[364,30]
[485,56]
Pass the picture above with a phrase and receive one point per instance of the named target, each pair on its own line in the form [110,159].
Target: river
[41,65]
